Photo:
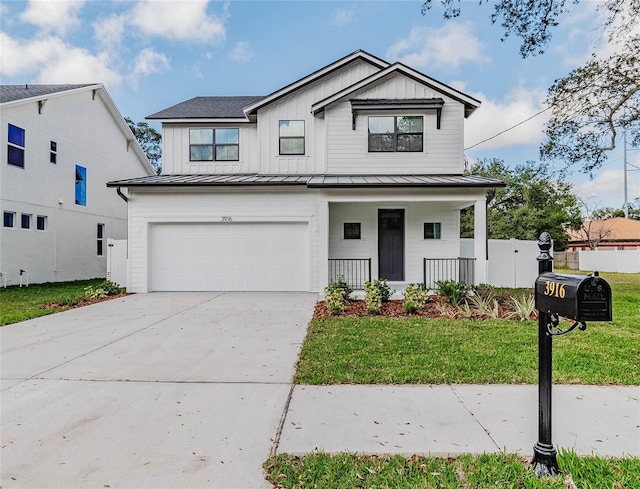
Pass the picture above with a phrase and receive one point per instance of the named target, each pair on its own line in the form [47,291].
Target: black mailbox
[577,297]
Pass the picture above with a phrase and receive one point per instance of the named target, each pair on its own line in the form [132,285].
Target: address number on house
[226,219]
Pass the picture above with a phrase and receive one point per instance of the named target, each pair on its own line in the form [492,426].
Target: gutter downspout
[122,196]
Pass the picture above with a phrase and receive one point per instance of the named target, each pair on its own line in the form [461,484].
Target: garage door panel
[229,256]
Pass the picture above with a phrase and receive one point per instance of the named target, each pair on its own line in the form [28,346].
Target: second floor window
[214,144]
[81,185]
[390,134]
[15,148]
[291,137]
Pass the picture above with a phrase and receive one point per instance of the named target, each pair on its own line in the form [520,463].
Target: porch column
[480,241]
[323,244]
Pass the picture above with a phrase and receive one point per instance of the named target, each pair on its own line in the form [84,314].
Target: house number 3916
[226,219]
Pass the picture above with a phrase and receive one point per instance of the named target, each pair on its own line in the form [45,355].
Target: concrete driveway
[162,390]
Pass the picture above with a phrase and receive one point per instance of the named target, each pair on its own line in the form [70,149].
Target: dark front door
[391,244]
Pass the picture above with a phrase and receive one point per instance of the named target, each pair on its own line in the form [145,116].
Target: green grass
[346,470]
[378,350]
[21,303]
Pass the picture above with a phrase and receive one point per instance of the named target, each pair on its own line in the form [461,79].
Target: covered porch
[404,236]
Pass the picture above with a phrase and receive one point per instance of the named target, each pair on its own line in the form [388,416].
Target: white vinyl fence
[623,261]
[117,261]
[512,262]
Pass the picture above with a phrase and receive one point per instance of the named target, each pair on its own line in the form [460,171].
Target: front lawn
[21,303]
[346,470]
[381,350]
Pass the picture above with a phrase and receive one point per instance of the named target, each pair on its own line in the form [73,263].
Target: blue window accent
[15,148]
[81,185]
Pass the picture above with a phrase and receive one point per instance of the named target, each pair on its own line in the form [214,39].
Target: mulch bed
[83,302]
[393,308]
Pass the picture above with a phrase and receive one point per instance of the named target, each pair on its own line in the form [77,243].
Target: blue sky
[153,54]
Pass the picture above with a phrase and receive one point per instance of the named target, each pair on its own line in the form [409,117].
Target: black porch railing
[438,269]
[354,271]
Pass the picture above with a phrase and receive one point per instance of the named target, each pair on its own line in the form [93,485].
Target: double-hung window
[100,239]
[291,137]
[396,134]
[53,153]
[214,144]
[15,146]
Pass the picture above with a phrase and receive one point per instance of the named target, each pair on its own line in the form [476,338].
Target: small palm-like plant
[521,308]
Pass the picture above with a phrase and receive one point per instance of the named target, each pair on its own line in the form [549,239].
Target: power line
[508,129]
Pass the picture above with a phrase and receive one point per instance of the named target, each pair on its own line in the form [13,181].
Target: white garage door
[229,256]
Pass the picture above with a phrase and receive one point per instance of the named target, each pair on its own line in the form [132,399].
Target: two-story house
[61,145]
[354,170]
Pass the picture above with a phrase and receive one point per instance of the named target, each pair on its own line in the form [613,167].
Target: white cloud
[606,189]
[179,20]
[109,32]
[495,116]
[149,62]
[242,52]
[342,17]
[54,61]
[53,16]
[446,48]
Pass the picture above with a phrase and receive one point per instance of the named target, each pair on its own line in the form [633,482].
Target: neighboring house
[353,170]
[616,233]
[61,145]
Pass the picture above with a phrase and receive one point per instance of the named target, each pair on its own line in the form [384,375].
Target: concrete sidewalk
[454,419]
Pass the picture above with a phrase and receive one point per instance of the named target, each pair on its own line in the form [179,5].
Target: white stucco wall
[87,135]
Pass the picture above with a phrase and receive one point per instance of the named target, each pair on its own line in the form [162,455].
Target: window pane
[16,135]
[292,146]
[381,142]
[200,136]
[410,142]
[291,128]
[53,157]
[54,146]
[41,223]
[15,156]
[8,219]
[201,153]
[25,221]
[410,124]
[100,230]
[351,230]
[227,153]
[381,125]
[81,185]
[226,136]
[431,230]
[99,248]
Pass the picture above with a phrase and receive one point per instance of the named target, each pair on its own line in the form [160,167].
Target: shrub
[522,307]
[453,290]
[415,297]
[336,295]
[372,298]
[102,290]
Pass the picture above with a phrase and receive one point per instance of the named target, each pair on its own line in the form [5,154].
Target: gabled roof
[336,65]
[311,181]
[208,108]
[470,103]
[12,93]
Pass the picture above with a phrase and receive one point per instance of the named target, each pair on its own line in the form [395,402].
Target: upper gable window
[214,144]
[53,153]
[15,148]
[291,137]
[81,185]
[391,134]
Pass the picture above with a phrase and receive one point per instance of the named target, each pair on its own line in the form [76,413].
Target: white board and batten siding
[347,150]
[223,240]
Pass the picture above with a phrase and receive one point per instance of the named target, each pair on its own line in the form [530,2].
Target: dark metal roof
[207,108]
[311,181]
[11,93]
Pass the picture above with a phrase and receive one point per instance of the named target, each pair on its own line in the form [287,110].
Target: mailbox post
[545,460]
[573,297]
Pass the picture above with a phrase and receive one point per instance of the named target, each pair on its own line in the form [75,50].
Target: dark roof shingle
[207,108]
[11,93]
